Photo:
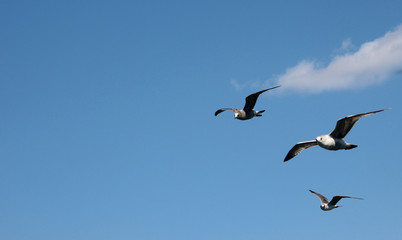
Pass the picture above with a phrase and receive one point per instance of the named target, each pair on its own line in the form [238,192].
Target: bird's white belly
[332,143]
[327,143]
[327,207]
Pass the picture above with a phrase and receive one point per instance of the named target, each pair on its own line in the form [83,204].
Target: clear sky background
[108,128]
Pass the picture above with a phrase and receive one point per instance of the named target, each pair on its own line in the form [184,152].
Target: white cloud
[372,63]
[237,85]
[249,84]
[346,45]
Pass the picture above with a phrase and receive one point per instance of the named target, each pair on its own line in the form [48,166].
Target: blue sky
[108,132]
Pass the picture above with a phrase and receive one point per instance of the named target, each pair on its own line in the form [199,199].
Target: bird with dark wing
[334,140]
[248,111]
[329,205]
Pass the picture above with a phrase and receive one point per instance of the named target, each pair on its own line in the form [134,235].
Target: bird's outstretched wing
[322,198]
[252,99]
[336,199]
[224,109]
[344,125]
[296,149]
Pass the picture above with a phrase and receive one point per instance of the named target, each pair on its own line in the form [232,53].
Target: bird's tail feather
[258,113]
[351,146]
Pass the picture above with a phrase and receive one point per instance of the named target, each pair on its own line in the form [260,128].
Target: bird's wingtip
[383,109]
[275,87]
[271,88]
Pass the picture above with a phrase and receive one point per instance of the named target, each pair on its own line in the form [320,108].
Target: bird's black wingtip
[381,110]
[287,158]
[273,87]
[267,89]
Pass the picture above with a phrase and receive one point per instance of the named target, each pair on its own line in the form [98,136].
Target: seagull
[248,111]
[326,206]
[334,140]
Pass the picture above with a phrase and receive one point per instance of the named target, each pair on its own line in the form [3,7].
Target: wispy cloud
[373,62]
[249,84]
[346,45]
[237,85]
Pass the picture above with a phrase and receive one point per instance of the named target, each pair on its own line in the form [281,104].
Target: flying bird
[248,111]
[334,140]
[326,205]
